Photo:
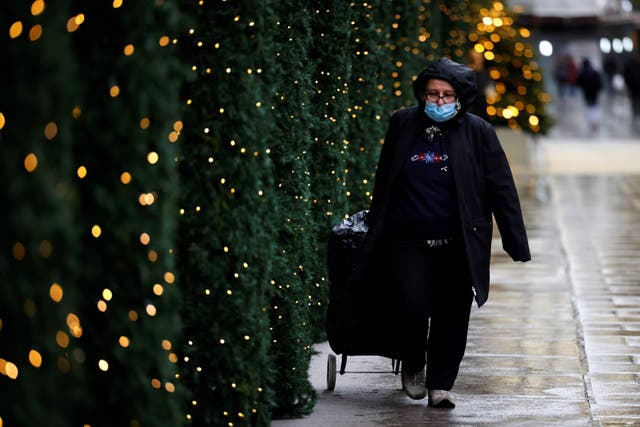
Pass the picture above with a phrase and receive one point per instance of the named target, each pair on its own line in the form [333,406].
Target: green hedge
[164,259]
[89,313]
[227,228]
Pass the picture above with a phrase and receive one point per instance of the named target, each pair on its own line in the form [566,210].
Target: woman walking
[441,175]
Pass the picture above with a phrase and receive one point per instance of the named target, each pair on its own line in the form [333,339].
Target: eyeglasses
[447,97]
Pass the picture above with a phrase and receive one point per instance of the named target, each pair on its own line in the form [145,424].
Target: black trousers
[433,295]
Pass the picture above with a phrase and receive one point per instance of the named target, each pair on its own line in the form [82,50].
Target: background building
[605,31]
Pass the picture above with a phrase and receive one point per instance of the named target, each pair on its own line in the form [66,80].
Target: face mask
[441,113]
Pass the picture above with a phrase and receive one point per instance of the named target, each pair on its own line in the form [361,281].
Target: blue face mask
[441,113]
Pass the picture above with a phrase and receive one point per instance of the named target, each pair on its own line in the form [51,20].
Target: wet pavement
[558,343]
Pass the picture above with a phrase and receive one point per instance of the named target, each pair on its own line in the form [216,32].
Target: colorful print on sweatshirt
[430,157]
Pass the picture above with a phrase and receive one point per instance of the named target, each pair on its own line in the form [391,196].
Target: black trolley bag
[360,318]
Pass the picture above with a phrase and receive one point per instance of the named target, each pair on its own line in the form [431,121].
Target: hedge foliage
[172,170]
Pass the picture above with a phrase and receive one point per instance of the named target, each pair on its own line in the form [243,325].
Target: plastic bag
[351,231]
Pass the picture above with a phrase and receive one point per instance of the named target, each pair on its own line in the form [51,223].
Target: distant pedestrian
[632,81]
[441,179]
[565,73]
[590,81]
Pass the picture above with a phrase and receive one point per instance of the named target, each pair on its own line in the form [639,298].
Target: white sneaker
[415,384]
[441,399]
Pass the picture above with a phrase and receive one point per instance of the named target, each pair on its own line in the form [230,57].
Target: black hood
[461,77]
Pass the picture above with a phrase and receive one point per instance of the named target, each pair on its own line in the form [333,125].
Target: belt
[434,243]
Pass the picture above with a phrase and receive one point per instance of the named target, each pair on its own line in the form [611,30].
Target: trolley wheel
[331,372]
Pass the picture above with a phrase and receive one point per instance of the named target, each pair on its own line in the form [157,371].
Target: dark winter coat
[483,179]
[590,82]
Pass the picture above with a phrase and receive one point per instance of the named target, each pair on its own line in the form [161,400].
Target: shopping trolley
[360,317]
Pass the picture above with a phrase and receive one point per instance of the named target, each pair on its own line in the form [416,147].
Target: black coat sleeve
[381,183]
[503,197]
[375,218]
